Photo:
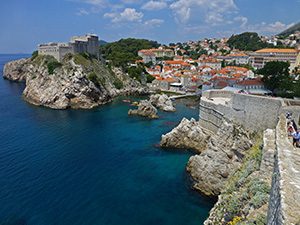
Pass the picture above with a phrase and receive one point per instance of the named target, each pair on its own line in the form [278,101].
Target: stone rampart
[258,113]
[284,204]
[79,44]
[254,113]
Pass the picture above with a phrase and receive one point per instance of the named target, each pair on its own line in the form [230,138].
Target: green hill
[248,41]
[125,50]
[102,42]
[290,30]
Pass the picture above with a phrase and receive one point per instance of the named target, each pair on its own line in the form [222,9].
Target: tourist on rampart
[296,137]
[290,129]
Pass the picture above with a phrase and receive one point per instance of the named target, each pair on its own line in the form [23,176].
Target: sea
[92,167]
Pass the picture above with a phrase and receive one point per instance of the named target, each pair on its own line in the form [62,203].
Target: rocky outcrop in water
[188,134]
[224,154]
[145,109]
[163,102]
[15,70]
[77,82]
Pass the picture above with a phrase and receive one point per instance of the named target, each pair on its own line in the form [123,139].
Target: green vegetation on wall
[244,192]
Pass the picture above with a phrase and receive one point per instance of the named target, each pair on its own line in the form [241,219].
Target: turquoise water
[91,166]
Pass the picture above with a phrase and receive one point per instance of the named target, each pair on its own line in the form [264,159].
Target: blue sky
[26,23]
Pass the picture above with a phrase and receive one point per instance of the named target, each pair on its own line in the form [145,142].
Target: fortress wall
[63,51]
[212,114]
[217,94]
[255,113]
[284,205]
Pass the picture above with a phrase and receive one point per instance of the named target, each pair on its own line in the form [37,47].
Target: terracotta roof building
[259,58]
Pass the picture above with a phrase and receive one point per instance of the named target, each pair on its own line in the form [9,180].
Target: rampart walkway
[284,206]
[185,96]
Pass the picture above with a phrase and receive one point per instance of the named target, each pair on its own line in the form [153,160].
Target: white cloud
[272,28]
[154,5]
[154,22]
[212,9]
[129,15]
[214,18]
[82,12]
[244,21]
[184,14]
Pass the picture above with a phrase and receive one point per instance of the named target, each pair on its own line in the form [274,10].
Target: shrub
[34,54]
[149,78]
[118,84]
[52,66]
[93,77]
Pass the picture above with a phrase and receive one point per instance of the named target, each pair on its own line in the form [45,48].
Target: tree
[248,41]
[276,75]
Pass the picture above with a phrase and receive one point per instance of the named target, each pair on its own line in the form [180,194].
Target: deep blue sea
[91,167]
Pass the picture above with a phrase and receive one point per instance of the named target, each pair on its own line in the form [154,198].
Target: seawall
[256,114]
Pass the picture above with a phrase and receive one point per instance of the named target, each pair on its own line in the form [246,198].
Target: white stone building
[79,44]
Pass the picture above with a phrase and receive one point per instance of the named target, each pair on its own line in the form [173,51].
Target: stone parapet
[284,204]
[254,113]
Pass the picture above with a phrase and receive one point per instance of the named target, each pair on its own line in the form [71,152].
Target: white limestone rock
[188,134]
[69,86]
[162,102]
[223,156]
[145,109]
[15,71]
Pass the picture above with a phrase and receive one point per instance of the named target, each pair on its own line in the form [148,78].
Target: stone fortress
[260,114]
[79,44]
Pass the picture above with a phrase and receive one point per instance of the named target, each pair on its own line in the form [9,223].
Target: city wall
[254,113]
[257,114]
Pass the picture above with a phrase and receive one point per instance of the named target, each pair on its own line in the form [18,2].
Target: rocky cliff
[79,81]
[224,154]
[244,200]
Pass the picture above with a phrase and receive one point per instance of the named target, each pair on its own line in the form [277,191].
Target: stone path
[289,169]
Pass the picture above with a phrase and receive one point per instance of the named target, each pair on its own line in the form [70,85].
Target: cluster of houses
[209,71]
[292,40]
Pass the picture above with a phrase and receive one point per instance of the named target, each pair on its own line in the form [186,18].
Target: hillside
[248,41]
[102,42]
[125,50]
[80,81]
[290,30]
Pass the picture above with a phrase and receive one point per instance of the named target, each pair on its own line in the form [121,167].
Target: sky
[26,23]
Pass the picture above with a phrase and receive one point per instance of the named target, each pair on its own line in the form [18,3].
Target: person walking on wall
[296,137]
[294,125]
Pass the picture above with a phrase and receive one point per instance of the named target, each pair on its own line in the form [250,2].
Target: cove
[88,167]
